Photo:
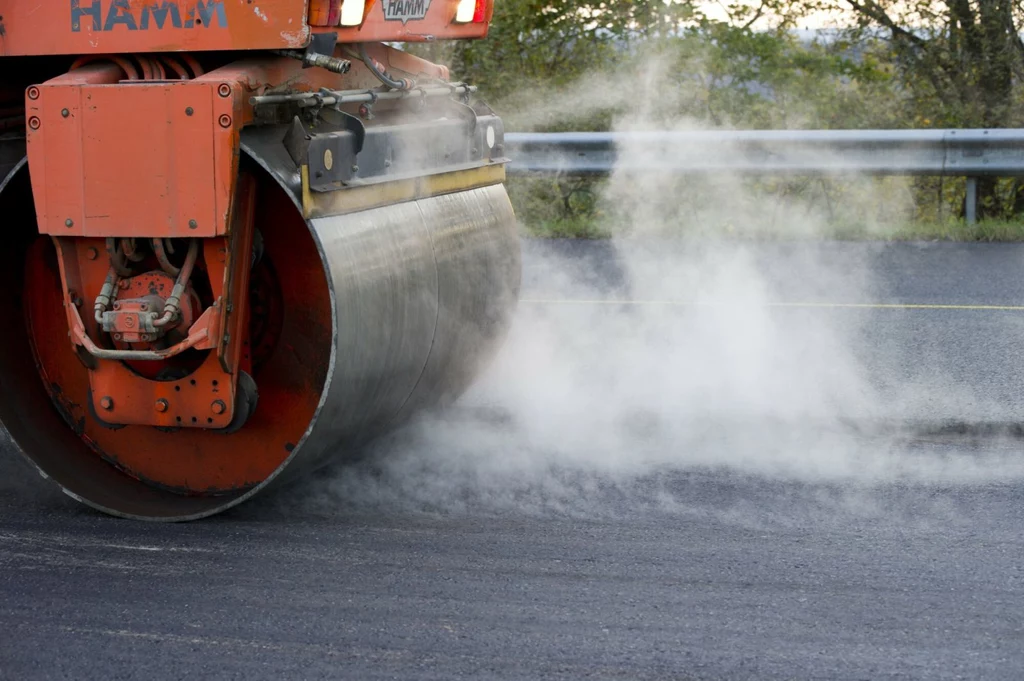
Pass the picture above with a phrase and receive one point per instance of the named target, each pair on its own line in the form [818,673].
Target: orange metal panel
[41,27]
[133,159]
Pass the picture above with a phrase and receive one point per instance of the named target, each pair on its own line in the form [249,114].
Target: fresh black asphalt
[544,564]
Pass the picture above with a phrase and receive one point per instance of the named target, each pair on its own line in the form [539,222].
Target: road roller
[241,239]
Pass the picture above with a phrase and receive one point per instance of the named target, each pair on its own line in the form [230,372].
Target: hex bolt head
[107,403]
[162,405]
[92,253]
[192,224]
[69,223]
[218,407]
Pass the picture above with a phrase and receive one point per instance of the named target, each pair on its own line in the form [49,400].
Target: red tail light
[471,11]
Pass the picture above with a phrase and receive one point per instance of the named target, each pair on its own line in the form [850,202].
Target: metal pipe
[324,61]
[171,306]
[338,97]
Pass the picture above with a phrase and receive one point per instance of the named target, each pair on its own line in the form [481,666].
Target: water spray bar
[339,97]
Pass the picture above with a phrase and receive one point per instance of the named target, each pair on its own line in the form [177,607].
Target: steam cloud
[596,405]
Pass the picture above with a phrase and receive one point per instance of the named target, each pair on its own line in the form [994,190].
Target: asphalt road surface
[662,477]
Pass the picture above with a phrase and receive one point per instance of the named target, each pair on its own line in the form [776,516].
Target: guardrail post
[971,209]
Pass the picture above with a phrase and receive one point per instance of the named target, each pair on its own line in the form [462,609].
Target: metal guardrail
[970,153]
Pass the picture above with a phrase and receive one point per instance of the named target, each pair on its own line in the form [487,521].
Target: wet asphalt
[674,572]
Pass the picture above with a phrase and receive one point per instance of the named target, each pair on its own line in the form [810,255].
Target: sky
[818,20]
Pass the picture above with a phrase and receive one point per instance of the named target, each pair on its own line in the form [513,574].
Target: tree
[962,61]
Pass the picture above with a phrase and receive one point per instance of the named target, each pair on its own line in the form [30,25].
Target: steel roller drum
[420,296]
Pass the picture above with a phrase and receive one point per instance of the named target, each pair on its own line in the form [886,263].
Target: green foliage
[598,64]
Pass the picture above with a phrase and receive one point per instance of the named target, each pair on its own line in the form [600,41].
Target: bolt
[65,113]
[144,307]
[224,90]
[355,169]
[192,224]
[33,123]
[225,121]
[117,336]
[117,305]
[188,111]
[218,407]
[69,223]
[92,253]
[161,405]
[33,93]
[123,284]
[107,403]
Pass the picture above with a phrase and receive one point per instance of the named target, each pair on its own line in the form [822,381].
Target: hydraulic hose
[378,69]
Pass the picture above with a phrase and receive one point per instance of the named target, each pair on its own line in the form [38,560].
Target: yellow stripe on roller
[863,306]
[352,199]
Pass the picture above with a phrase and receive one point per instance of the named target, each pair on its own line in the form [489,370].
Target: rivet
[92,253]
[107,403]
[161,405]
[65,113]
[218,407]
[192,224]
[69,223]
[189,111]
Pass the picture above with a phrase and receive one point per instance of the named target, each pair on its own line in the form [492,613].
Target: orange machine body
[133,144]
[121,26]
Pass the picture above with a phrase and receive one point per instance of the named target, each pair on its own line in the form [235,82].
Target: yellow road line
[684,303]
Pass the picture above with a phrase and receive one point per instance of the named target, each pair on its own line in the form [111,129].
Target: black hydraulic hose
[377,69]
